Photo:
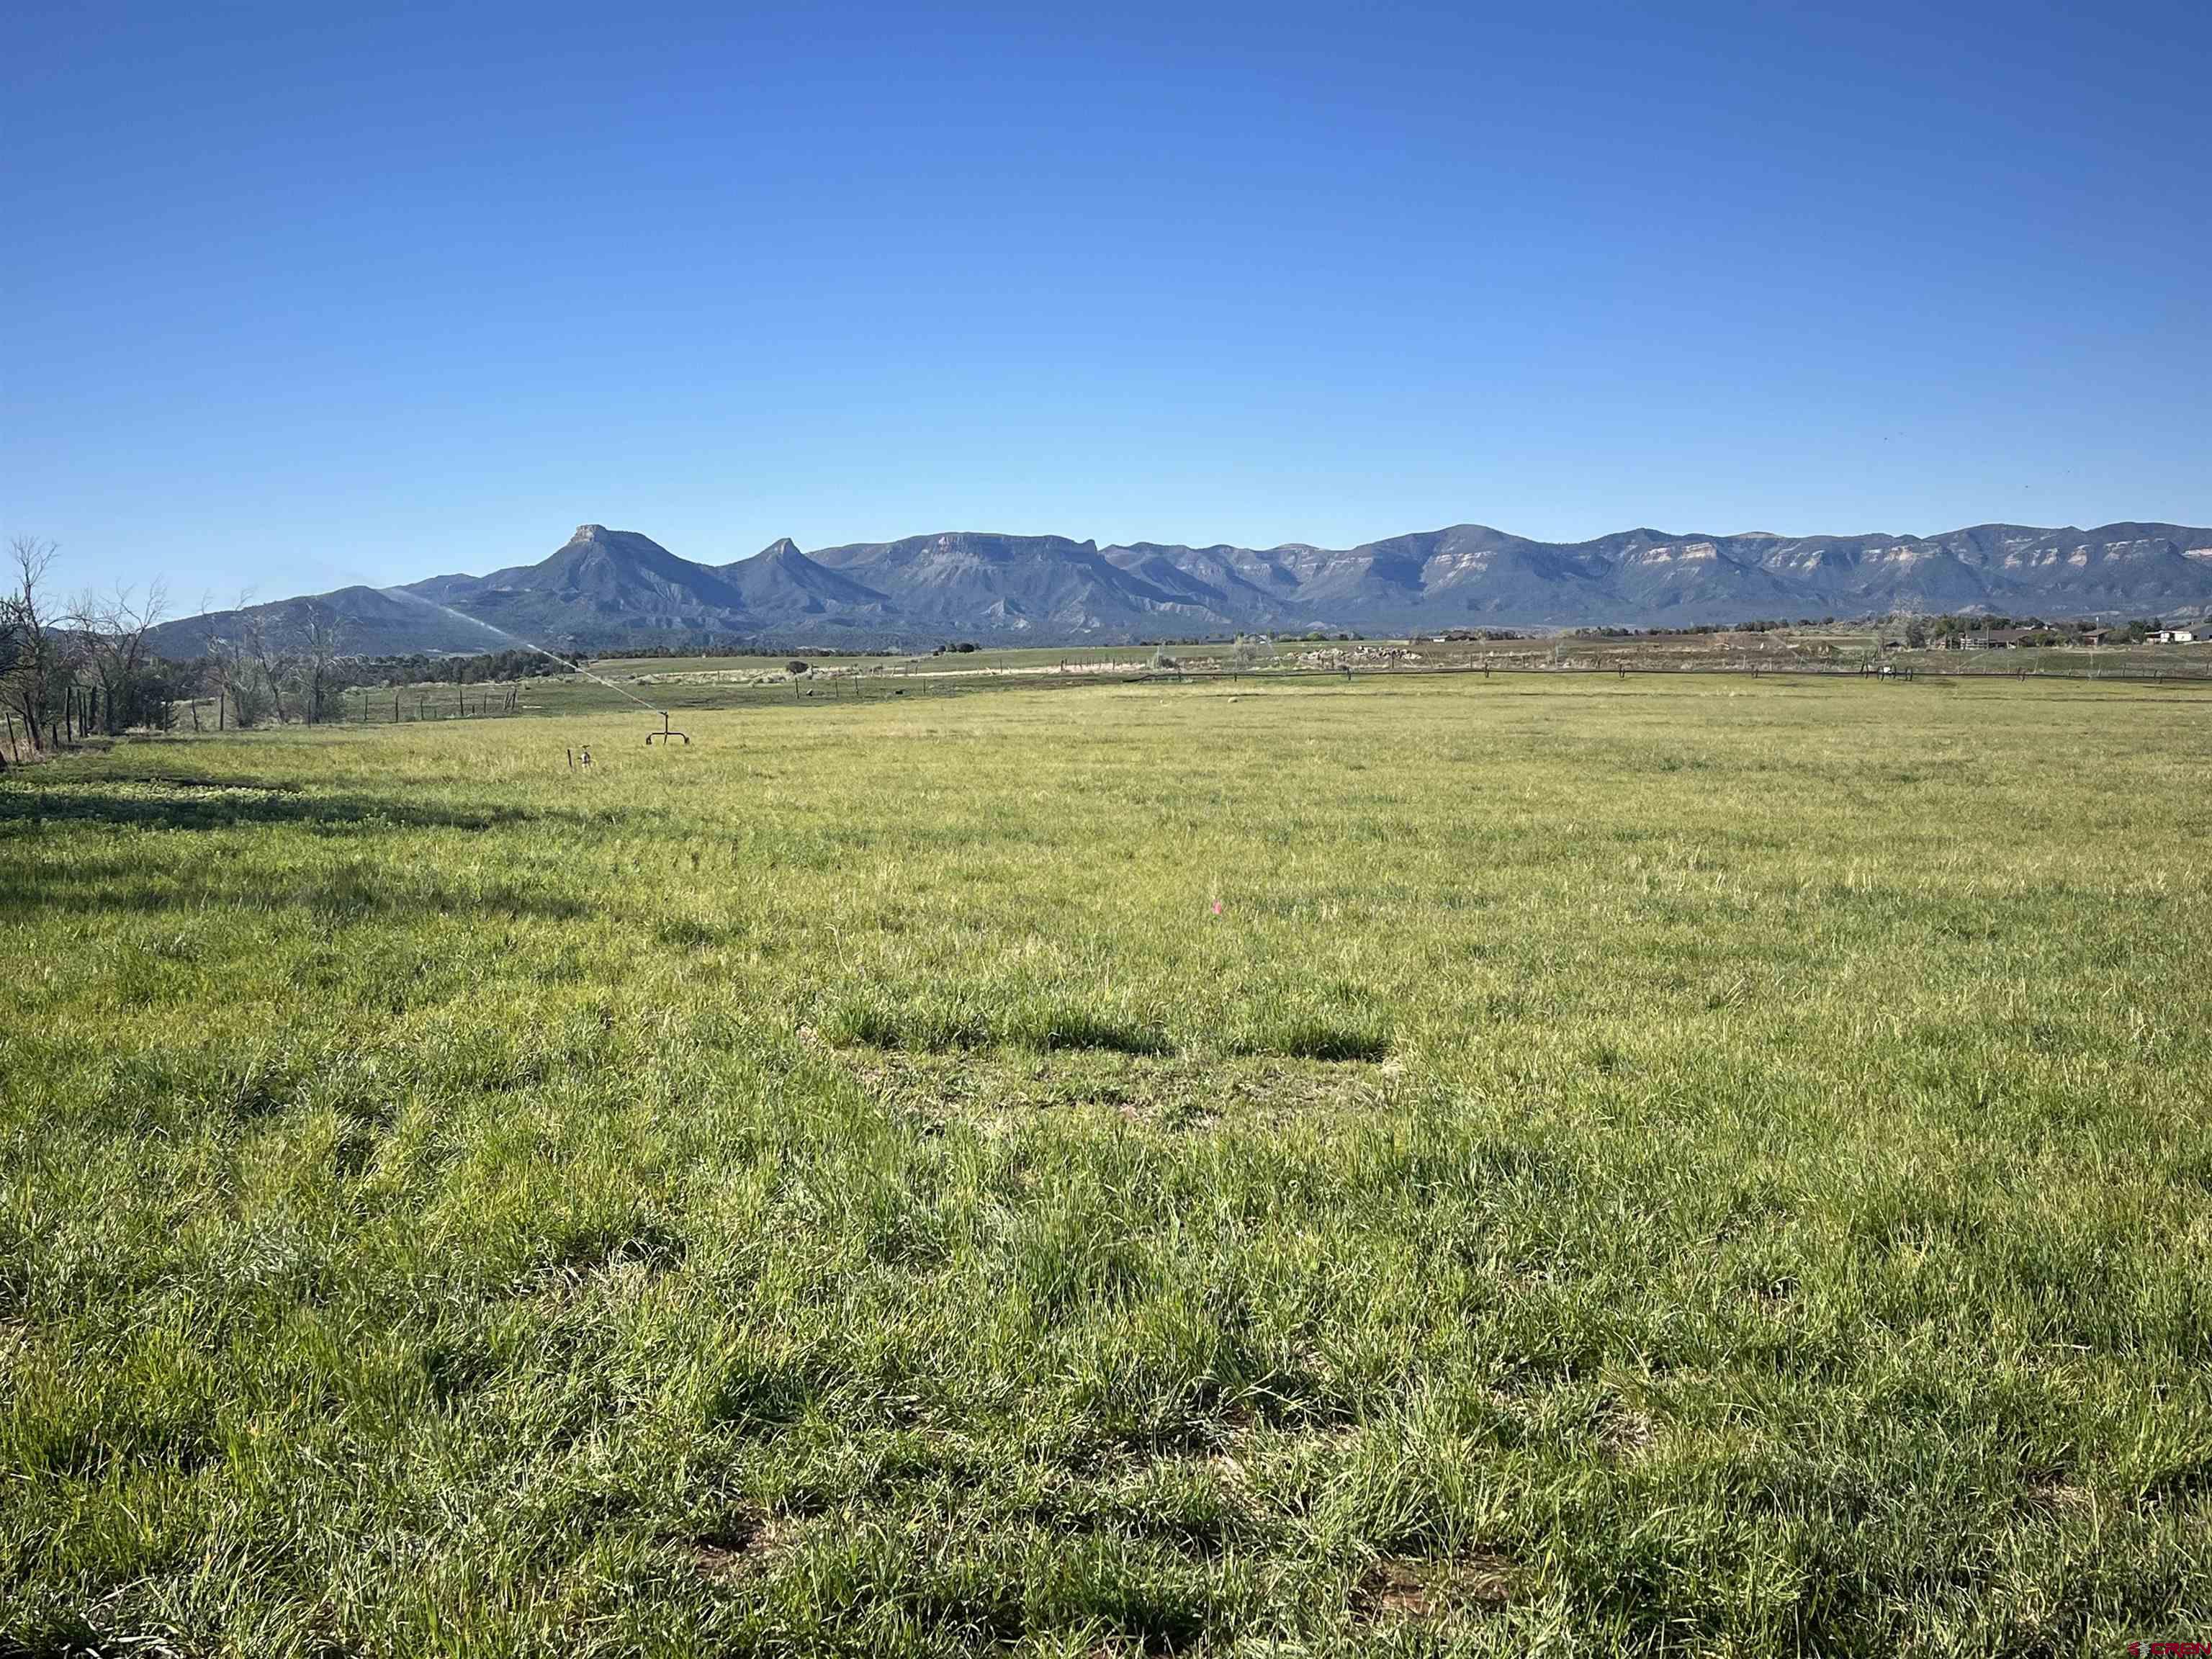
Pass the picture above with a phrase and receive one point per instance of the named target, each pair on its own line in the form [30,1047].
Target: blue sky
[296,299]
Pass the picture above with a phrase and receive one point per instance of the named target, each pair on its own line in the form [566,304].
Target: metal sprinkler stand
[664,734]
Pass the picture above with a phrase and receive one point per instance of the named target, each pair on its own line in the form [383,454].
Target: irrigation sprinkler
[663,735]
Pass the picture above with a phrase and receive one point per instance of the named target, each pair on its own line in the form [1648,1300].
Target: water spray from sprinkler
[662,735]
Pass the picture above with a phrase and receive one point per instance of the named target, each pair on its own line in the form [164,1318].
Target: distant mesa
[608,590]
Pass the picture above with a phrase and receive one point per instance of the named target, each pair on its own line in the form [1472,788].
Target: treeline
[1915,630]
[84,667]
[425,668]
[2052,633]
[69,668]
[252,684]
[1756,625]
[766,645]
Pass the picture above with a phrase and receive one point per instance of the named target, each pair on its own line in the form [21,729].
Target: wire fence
[431,703]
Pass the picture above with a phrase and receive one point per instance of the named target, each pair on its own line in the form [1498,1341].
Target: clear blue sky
[293,298]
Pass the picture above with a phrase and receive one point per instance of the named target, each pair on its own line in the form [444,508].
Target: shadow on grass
[1075,1029]
[177,804]
[112,887]
[1315,1040]
[926,1027]
[927,1030]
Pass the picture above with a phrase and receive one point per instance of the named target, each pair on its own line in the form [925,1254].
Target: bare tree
[266,654]
[11,654]
[11,634]
[242,682]
[38,655]
[320,637]
[112,632]
[237,670]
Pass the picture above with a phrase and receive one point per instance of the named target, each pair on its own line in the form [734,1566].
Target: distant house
[2092,636]
[2174,636]
[2000,639]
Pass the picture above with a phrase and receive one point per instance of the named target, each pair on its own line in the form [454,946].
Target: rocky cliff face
[607,589]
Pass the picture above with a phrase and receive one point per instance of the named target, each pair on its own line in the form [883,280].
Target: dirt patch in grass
[731,1554]
[718,1562]
[1144,1092]
[1392,1589]
[2064,1498]
[1424,1589]
[1036,1030]
[1624,1432]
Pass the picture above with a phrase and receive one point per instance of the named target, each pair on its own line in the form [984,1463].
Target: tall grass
[1659,1167]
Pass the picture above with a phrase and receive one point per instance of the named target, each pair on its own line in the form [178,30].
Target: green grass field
[1690,1165]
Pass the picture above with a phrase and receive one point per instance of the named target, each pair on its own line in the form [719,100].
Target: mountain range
[608,590]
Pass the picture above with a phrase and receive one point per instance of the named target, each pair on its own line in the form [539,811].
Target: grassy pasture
[1686,1165]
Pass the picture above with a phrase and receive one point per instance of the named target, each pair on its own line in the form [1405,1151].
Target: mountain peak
[610,588]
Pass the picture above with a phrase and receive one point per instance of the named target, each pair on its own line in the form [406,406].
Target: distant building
[2174,636]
